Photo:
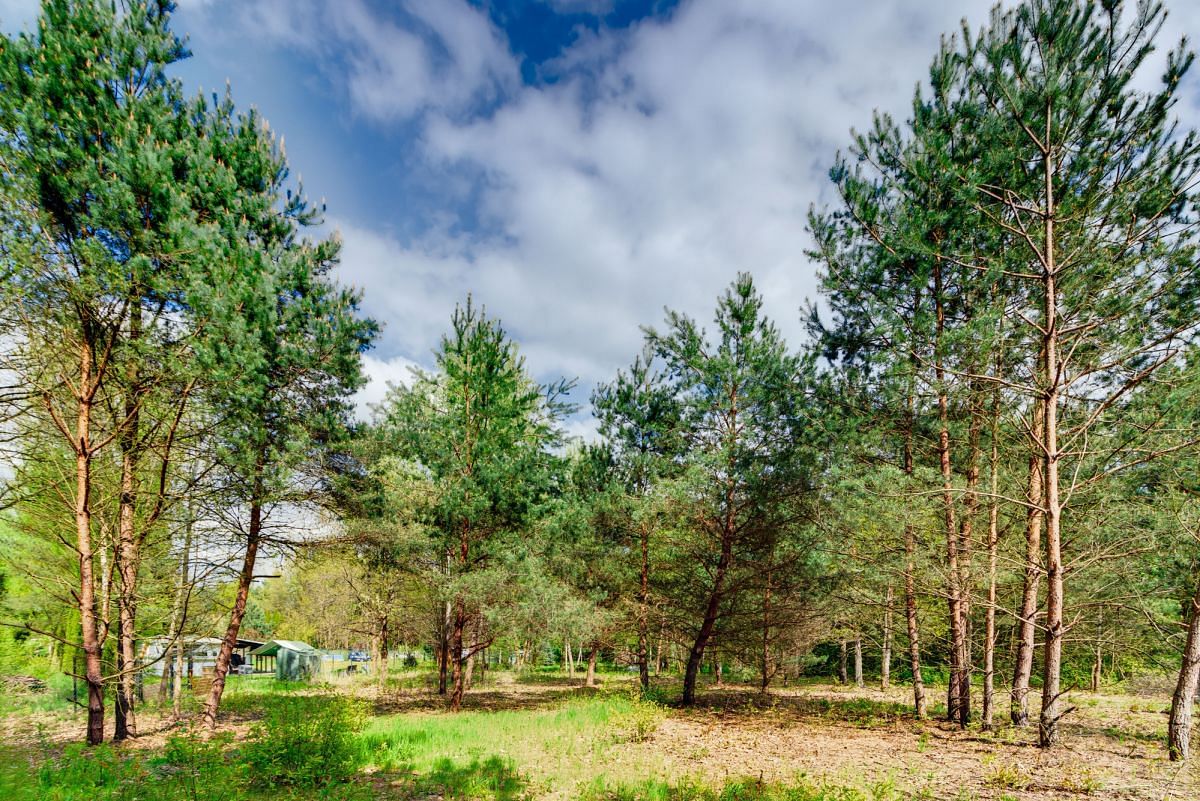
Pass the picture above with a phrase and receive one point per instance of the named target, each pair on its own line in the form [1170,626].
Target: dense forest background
[978,474]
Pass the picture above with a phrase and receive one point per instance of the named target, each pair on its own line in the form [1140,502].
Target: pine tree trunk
[590,681]
[164,684]
[965,550]
[993,540]
[885,655]
[843,675]
[910,584]
[92,642]
[954,694]
[128,546]
[121,708]
[384,652]
[245,579]
[858,666]
[1026,624]
[178,607]
[127,568]
[457,629]
[766,635]
[1052,665]
[177,683]
[711,610]
[644,612]
[1179,726]
[444,650]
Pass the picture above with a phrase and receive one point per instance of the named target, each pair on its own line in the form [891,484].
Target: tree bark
[128,552]
[965,549]
[444,650]
[954,694]
[1026,624]
[1179,727]
[711,610]
[885,655]
[1052,711]
[92,641]
[644,610]
[858,666]
[766,635]
[178,613]
[122,706]
[245,579]
[590,681]
[177,683]
[383,652]
[910,586]
[457,629]
[469,671]
[843,675]
[993,540]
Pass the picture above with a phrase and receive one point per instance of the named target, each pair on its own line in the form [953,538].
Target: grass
[577,729]
[547,739]
[735,790]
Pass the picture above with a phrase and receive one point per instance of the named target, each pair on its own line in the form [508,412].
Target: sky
[576,165]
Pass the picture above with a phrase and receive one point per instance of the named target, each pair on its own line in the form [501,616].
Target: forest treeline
[978,473]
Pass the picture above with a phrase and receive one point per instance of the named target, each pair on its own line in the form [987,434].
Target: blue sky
[577,165]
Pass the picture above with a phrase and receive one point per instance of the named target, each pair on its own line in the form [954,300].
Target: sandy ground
[1108,751]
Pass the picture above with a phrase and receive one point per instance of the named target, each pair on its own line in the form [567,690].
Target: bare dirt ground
[1113,745]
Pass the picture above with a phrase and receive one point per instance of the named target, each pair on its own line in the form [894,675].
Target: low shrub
[304,741]
[638,721]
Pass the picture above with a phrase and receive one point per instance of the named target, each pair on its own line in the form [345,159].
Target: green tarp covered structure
[294,660]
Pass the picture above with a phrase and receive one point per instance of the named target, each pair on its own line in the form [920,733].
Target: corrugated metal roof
[274,646]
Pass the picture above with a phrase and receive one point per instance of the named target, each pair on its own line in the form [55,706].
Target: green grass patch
[420,742]
[186,770]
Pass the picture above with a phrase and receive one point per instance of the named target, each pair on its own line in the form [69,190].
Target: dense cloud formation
[641,166]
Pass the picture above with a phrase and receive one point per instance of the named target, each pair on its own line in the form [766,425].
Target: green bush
[304,741]
[638,722]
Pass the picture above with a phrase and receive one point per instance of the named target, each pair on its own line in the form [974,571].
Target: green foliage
[638,722]
[304,741]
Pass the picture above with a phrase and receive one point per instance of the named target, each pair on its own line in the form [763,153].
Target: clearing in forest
[546,737]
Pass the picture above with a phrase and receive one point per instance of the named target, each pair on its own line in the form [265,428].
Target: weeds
[638,722]
[1009,776]
[739,790]
[305,741]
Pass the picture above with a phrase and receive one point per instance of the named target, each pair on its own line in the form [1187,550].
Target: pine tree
[479,428]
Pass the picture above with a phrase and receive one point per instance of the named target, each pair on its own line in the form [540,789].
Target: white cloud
[442,56]
[662,160]
[693,153]
[382,375]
